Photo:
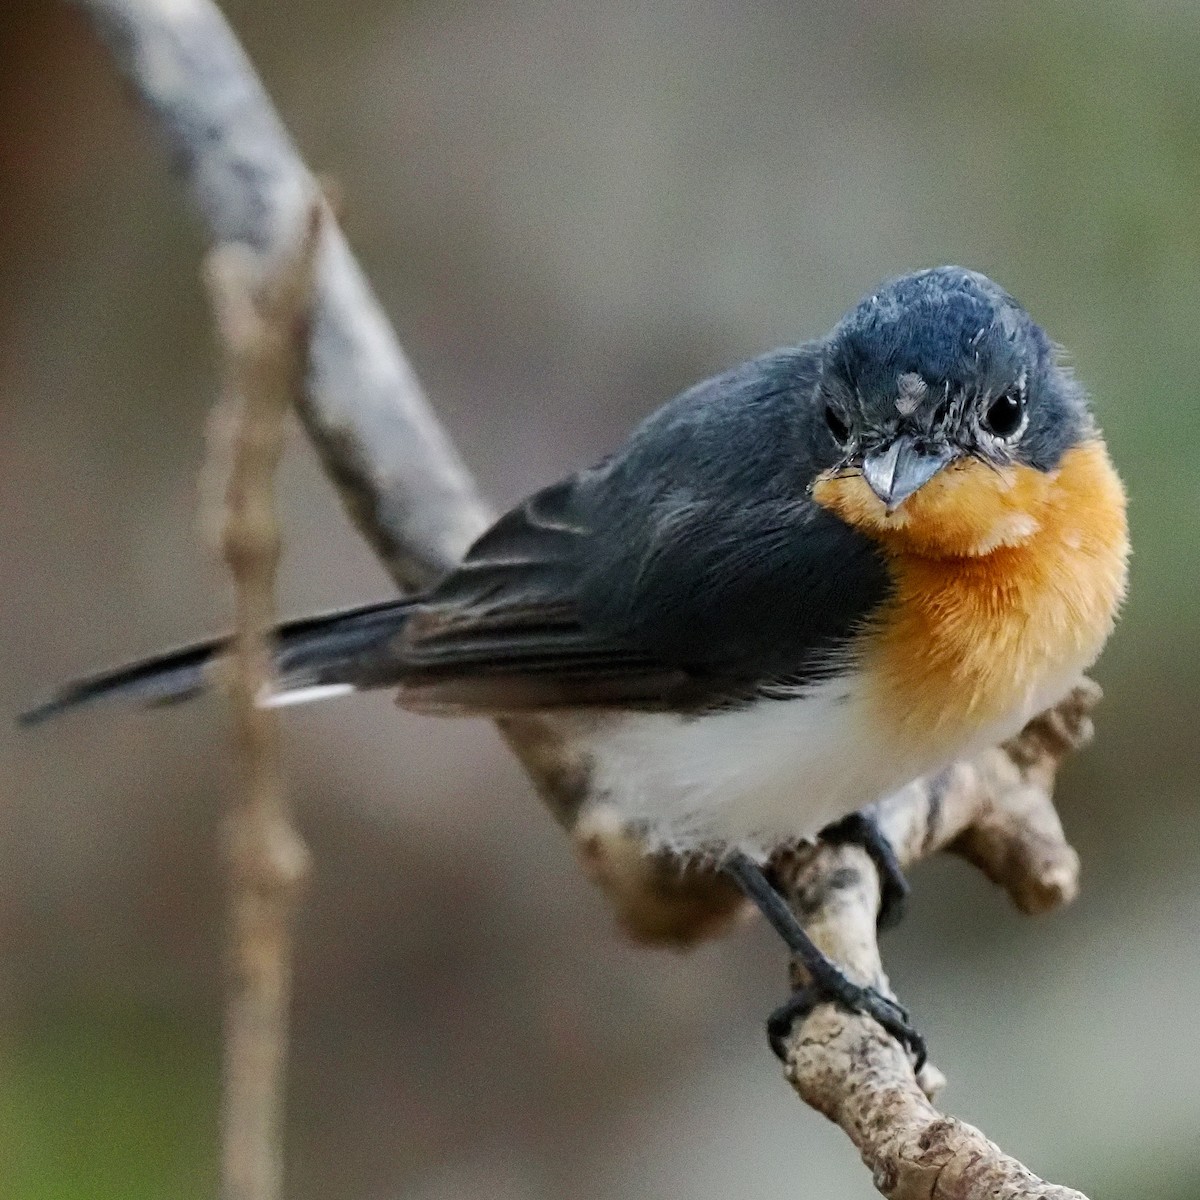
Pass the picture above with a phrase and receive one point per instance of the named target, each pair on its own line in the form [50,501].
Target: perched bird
[797,587]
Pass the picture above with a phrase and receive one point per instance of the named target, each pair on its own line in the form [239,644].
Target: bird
[798,586]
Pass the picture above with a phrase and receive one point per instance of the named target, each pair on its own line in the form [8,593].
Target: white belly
[774,772]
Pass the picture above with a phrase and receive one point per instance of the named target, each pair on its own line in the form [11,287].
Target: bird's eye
[838,427]
[1003,415]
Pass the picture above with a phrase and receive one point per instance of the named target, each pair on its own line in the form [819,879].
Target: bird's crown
[951,411]
[949,356]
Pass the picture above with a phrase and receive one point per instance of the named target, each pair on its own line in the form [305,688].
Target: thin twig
[405,486]
[263,328]
[401,478]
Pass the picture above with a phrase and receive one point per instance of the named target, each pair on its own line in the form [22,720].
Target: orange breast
[1006,586]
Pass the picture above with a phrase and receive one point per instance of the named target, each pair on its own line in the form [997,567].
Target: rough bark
[997,812]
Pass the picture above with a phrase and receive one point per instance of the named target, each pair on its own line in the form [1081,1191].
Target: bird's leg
[862,829]
[826,980]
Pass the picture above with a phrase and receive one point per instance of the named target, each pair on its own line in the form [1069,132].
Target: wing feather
[693,569]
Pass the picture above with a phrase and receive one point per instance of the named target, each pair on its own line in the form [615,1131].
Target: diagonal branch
[997,812]
[402,480]
[410,495]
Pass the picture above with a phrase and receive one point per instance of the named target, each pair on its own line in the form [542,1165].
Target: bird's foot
[827,982]
[863,829]
[853,997]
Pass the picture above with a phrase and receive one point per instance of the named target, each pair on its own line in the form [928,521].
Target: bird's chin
[967,510]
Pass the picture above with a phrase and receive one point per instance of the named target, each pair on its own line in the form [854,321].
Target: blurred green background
[572,210]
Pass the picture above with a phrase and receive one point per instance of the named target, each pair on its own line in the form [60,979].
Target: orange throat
[1006,585]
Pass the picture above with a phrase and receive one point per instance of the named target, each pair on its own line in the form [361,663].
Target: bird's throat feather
[1006,584]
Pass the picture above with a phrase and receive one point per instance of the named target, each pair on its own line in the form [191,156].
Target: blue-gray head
[940,365]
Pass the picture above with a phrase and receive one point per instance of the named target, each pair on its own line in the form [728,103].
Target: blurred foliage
[109,1103]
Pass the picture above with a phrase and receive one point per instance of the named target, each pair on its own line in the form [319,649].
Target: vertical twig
[262,322]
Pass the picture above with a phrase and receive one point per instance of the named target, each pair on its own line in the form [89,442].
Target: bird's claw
[863,829]
[868,1001]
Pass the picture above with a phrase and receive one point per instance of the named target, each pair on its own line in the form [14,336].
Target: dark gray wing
[689,570]
[692,568]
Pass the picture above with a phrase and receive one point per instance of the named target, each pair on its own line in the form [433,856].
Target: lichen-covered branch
[262,325]
[412,498]
[997,811]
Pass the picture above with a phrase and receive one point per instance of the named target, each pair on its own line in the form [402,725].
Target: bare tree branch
[995,810]
[403,482]
[263,329]
[414,501]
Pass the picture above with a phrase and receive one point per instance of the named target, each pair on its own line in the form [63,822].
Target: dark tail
[340,650]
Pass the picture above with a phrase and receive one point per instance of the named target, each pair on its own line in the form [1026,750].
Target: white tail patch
[305,695]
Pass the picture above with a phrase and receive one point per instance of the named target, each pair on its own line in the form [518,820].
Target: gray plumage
[691,569]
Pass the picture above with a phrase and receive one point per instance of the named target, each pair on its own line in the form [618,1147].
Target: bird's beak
[895,471]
